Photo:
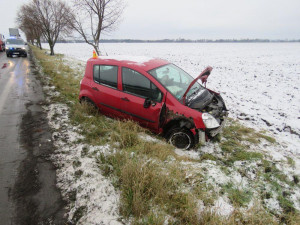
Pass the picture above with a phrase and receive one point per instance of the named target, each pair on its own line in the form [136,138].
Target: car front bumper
[16,52]
[218,130]
[215,131]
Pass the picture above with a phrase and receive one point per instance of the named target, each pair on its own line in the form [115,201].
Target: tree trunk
[51,50]
[97,50]
[39,43]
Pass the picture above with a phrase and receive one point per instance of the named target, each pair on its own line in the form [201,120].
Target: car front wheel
[181,138]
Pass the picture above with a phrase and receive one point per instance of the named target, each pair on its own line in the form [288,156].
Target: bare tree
[54,18]
[50,19]
[94,17]
[28,23]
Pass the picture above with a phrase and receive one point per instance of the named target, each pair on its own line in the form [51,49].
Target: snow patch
[79,175]
[190,154]
[222,207]
[134,59]
[272,204]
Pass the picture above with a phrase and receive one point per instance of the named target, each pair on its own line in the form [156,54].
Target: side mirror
[147,103]
[25,43]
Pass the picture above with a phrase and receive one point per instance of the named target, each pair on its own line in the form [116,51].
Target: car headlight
[23,48]
[209,121]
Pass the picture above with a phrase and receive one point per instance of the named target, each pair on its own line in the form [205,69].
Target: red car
[2,43]
[158,95]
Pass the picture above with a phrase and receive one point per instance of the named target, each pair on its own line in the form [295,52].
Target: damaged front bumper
[218,130]
[204,135]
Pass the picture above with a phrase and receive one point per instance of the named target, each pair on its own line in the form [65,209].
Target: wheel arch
[85,94]
[178,122]
[85,98]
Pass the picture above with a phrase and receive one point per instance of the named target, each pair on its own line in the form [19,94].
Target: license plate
[17,53]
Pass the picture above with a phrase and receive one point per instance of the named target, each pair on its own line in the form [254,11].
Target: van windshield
[14,42]
[175,80]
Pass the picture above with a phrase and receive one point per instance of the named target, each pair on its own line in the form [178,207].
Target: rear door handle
[94,88]
[125,99]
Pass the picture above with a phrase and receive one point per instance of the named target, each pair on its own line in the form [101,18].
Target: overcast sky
[195,19]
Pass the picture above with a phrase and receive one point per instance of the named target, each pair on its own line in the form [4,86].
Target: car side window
[107,75]
[137,84]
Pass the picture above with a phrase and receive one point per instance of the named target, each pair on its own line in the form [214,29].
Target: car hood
[203,77]
[15,46]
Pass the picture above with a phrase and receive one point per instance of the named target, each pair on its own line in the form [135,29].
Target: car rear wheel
[88,102]
[181,138]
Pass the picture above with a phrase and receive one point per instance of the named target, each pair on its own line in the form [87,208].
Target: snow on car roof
[136,59]
[147,63]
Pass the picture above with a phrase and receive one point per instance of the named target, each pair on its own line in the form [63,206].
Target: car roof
[141,62]
[14,38]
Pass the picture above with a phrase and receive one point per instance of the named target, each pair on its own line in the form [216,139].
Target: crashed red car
[158,95]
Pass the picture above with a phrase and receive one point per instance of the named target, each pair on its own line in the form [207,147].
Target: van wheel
[181,138]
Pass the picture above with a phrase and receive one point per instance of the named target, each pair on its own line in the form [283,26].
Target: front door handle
[94,88]
[125,99]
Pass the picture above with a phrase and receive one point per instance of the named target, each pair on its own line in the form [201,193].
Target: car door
[136,89]
[105,89]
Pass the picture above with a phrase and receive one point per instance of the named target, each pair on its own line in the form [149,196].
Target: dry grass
[125,133]
[144,184]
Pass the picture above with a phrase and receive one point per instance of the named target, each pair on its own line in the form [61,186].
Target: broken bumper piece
[216,131]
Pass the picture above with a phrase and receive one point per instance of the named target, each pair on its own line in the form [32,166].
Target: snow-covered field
[260,82]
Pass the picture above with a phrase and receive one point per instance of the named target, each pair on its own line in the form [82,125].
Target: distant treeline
[181,41]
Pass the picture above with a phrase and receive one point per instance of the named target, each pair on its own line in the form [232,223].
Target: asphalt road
[28,194]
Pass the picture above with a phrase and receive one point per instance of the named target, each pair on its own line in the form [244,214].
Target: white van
[15,46]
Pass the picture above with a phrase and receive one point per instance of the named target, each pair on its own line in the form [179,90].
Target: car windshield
[175,80]
[14,42]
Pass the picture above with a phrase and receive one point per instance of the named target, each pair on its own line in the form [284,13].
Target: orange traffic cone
[95,56]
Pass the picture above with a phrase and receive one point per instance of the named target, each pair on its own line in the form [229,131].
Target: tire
[7,55]
[181,138]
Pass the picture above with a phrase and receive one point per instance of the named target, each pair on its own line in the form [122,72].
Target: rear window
[106,75]
[137,84]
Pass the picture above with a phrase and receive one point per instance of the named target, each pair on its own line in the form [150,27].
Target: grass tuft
[237,196]
[125,133]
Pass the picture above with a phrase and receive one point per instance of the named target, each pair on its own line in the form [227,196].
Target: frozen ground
[91,197]
[80,179]
[259,81]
